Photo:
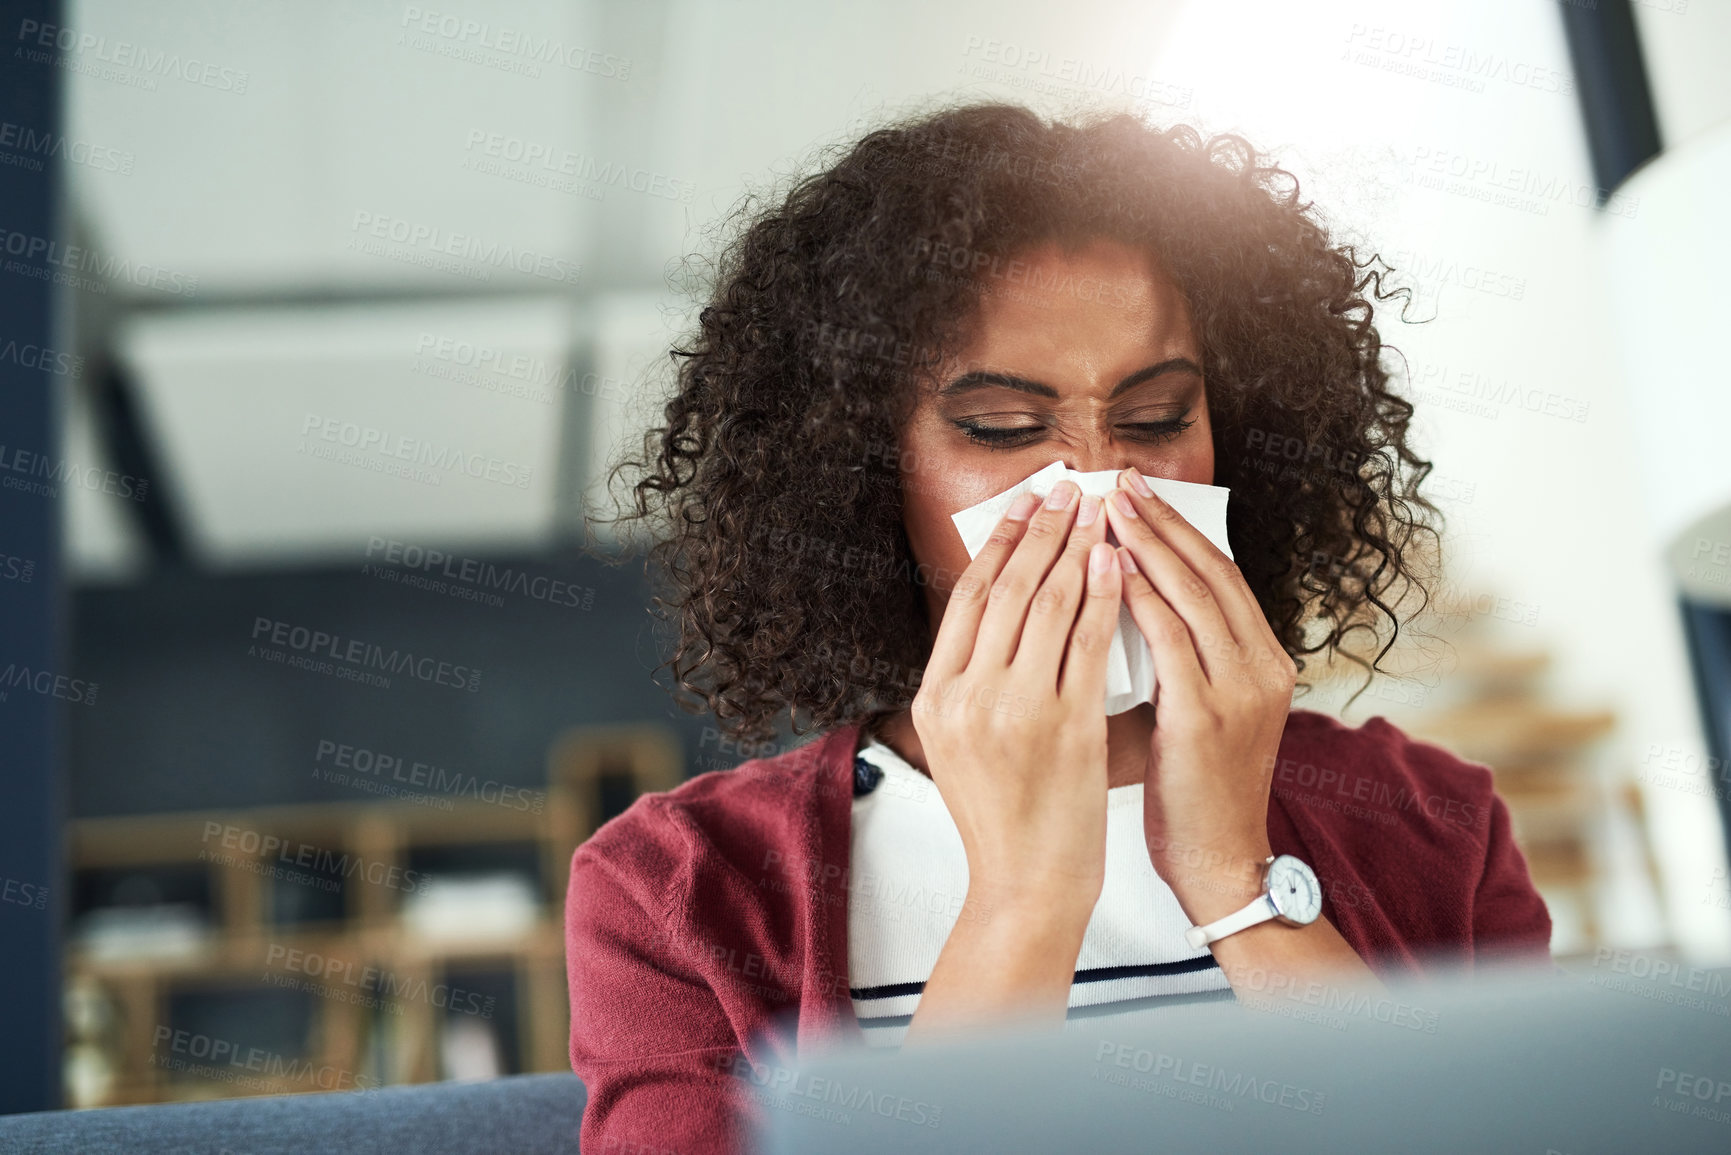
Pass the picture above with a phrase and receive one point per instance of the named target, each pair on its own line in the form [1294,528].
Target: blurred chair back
[522,1114]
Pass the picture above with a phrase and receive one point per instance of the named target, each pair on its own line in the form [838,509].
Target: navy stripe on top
[1091,975]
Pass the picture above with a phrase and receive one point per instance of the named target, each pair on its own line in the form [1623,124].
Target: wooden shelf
[1514,728]
[381,1025]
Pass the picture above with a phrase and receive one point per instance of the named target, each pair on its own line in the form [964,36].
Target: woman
[957,302]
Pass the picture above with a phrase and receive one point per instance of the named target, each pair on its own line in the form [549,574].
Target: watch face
[1296,893]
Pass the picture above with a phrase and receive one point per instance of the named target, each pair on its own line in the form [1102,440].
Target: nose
[1097,462]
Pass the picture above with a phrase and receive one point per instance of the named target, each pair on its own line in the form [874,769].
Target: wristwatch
[1290,894]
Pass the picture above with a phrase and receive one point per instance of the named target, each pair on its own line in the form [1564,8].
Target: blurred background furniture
[339,945]
[1577,812]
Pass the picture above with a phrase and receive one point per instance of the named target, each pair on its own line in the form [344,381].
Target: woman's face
[1089,358]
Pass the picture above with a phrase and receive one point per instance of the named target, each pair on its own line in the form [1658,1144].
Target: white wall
[1683,44]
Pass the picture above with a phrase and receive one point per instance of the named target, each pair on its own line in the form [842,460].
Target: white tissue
[1130,679]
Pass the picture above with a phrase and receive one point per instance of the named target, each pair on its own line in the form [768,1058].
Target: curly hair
[777,507]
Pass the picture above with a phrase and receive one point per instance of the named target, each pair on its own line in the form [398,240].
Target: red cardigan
[707,924]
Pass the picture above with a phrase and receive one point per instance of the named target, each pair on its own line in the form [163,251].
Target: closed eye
[1016,436]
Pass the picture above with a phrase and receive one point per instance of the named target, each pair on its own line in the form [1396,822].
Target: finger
[954,644]
[1178,585]
[1052,613]
[1208,561]
[1047,534]
[1084,674]
[1182,679]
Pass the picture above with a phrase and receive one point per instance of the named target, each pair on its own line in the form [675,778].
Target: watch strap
[1260,909]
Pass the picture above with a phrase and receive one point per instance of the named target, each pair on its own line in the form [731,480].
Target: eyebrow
[983,379]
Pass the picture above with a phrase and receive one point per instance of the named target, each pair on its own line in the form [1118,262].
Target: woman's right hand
[1011,721]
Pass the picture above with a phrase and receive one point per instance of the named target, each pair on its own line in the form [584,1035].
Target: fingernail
[1127,560]
[1059,498]
[1100,557]
[1123,502]
[1089,511]
[1023,507]
[1140,484]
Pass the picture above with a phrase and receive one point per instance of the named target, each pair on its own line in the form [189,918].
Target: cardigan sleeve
[1510,921]
[649,1038]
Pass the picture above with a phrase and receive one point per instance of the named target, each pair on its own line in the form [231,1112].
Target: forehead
[1100,304]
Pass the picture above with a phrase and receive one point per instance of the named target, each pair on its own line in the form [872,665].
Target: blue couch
[522,1114]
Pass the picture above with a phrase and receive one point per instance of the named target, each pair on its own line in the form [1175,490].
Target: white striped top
[908,878]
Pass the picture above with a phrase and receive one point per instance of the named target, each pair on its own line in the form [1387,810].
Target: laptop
[1545,1061]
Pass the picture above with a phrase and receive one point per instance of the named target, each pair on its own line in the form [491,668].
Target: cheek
[932,536]
[1198,463]
[934,485]
[1191,461]
[1201,459]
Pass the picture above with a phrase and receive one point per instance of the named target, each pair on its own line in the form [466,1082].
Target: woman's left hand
[1224,692]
